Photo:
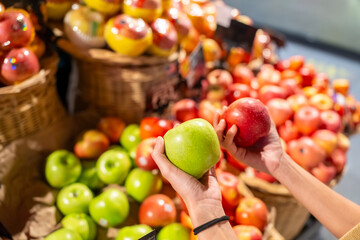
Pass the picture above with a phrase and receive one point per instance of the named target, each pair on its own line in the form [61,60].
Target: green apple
[174,231]
[113,166]
[133,232]
[132,153]
[64,234]
[141,183]
[110,208]
[74,198]
[193,146]
[89,176]
[130,136]
[80,223]
[62,168]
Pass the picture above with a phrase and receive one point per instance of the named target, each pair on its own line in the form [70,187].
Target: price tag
[149,236]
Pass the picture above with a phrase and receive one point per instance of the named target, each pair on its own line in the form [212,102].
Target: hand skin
[335,212]
[202,197]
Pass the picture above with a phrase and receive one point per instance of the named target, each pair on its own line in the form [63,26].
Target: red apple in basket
[128,36]
[288,131]
[184,110]
[242,74]
[16,29]
[291,74]
[269,92]
[219,78]
[18,65]
[149,10]
[251,118]
[180,20]
[112,127]
[320,81]
[279,110]
[307,73]
[157,210]
[296,62]
[144,150]
[297,101]
[237,91]
[228,183]
[252,211]
[324,172]
[2,10]
[153,127]
[91,144]
[322,101]
[306,152]
[244,232]
[164,38]
[326,139]
[330,120]
[268,76]
[291,86]
[207,110]
[307,119]
[338,159]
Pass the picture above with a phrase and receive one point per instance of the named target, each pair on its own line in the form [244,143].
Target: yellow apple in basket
[164,38]
[107,7]
[149,10]
[128,36]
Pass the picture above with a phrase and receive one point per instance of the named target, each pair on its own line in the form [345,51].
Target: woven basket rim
[50,58]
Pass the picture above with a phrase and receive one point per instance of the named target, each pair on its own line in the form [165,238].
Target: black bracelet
[200,228]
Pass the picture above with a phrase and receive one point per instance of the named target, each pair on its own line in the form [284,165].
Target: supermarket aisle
[335,66]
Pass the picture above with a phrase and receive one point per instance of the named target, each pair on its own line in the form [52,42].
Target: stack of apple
[20,49]
[309,111]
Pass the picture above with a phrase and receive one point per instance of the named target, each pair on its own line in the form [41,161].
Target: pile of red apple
[90,196]
[311,113]
[20,49]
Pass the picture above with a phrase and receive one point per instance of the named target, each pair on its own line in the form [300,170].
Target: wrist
[203,212]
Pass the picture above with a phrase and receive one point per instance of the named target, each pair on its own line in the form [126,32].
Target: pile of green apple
[99,180]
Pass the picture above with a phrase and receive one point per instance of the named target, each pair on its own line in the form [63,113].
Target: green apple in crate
[80,223]
[64,234]
[174,231]
[130,136]
[133,232]
[89,176]
[110,208]
[74,198]
[62,168]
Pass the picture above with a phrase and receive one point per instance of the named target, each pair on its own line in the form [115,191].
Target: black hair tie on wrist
[200,228]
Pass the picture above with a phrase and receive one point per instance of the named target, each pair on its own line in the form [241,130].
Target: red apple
[324,172]
[288,131]
[251,118]
[207,110]
[148,10]
[282,65]
[338,159]
[326,139]
[18,65]
[2,10]
[322,101]
[307,119]
[343,142]
[157,210]
[16,29]
[296,62]
[216,94]
[306,152]
[235,163]
[228,185]
[252,211]
[341,86]
[297,101]
[184,110]
[242,74]
[237,91]
[264,176]
[190,41]
[112,127]
[164,38]
[237,55]
[287,74]
[268,77]
[127,35]
[143,157]
[269,92]
[219,78]
[310,91]
[91,144]
[330,120]
[280,110]
[153,127]
[307,73]
[180,20]
[291,86]
[231,213]
[244,232]
[320,81]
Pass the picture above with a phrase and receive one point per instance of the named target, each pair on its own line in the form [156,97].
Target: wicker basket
[127,87]
[31,105]
[291,216]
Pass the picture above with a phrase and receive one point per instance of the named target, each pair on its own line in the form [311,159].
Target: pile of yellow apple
[20,48]
[312,114]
